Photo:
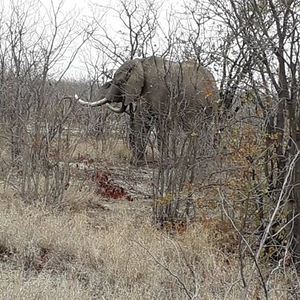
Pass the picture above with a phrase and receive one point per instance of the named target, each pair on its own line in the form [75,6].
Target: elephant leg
[162,133]
[131,129]
[161,138]
[140,128]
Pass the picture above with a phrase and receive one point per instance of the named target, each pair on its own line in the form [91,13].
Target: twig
[166,268]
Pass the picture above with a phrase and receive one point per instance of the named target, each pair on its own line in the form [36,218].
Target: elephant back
[178,88]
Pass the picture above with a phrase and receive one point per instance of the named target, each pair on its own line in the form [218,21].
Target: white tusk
[91,104]
[117,110]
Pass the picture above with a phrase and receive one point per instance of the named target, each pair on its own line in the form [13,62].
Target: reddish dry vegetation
[84,158]
[106,186]
[105,183]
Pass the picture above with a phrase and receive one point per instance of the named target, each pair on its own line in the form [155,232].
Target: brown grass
[104,254]
[110,151]
[88,248]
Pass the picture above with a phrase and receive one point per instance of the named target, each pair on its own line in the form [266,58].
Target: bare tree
[261,77]
[32,51]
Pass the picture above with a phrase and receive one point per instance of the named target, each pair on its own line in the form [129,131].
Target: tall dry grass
[113,254]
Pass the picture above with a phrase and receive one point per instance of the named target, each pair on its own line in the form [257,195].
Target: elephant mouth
[117,99]
[117,110]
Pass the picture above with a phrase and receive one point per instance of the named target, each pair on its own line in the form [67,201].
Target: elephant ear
[135,82]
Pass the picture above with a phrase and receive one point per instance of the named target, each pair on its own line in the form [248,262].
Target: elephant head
[125,87]
[158,86]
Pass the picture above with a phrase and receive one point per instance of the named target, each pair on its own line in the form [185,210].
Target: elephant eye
[119,83]
[120,77]
[122,81]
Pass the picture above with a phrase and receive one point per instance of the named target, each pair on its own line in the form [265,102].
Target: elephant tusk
[91,104]
[101,102]
[117,110]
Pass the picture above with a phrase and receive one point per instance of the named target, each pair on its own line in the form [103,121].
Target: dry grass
[110,150]
[18,284]
[86,248]
[91,254]
[113,150]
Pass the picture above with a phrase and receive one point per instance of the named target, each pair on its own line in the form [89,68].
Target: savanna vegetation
[213,214]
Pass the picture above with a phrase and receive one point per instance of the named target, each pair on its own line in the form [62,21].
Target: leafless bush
[34,113]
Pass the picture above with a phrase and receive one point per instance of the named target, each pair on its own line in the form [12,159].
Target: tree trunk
[294,212]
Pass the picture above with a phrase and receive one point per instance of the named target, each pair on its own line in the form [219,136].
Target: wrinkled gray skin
[153,89]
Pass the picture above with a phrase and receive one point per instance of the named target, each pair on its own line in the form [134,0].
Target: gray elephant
[156,91]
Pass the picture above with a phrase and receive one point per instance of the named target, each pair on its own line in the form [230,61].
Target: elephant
[153,88]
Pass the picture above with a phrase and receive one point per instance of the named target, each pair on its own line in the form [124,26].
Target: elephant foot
[138,160]
[139,163]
